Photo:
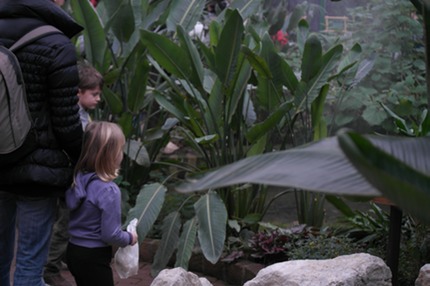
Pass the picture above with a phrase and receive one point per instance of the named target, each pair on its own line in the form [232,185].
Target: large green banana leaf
[147,208]
[169,55]
[395,167]
[121,18]
[212,219]
[94,35]
[314,78]
[228,48]
[184,13]
[320,166]
[197,65]
[403,177]
[137,88]
[168,243]
[246,8]
[186,243]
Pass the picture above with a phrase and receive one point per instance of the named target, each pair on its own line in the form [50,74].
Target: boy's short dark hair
[89,77]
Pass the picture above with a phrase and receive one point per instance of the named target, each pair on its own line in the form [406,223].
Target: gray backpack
[17,137]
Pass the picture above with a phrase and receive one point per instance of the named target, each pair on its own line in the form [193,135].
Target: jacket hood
[78,193]
[45,10]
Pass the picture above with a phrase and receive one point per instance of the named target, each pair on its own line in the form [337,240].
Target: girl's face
[89,98]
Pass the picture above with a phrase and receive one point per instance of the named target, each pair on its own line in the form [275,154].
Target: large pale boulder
[179,277]
[424,276]
[347,270]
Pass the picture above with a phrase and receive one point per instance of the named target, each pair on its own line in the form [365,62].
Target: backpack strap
[33,35]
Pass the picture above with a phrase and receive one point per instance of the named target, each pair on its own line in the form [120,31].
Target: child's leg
[90,266]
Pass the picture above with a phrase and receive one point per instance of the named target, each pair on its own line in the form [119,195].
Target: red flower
[281,38]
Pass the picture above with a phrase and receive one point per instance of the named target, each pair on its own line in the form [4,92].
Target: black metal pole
[393,249]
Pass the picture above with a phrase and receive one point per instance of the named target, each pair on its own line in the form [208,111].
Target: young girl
[94,201]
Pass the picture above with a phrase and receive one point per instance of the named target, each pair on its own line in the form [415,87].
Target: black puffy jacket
[51,77]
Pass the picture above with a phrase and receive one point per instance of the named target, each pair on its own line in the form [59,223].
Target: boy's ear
[79,91]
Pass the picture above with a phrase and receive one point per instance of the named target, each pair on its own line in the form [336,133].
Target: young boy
[89,92]
[90,88]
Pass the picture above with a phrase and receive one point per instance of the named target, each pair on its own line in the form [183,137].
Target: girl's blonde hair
[101,150]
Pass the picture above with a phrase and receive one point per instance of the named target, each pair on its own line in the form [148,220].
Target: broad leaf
[169,55]
[196,63]
[173,109]
[401,173]
[350,58]
[94,35]
[331,171]
[364,68]
[302,33]
[125,121]
[147,208]
[240,83]
[228,48]
[136,93]
[317,107]
[137,152]
[246,8]
[186,243]
[257,63]
[312,88]
[121,18]
[169,241]
[262,128]
[113,100]
[269,90]
[212,219]
[399,122]
[312,55]
[184,13]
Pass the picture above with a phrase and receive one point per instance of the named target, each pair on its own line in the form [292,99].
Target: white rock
[424,276]
[179,277]
[347,270]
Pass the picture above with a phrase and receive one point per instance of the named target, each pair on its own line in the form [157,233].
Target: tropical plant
[216,119]
[127,59]
[398,77]
[349,165]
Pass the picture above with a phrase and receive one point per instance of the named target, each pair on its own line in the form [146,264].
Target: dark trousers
[90,266]
[59,239]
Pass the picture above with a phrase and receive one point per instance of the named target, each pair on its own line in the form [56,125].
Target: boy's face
[89,98]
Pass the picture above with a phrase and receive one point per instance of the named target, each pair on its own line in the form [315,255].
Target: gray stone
[347,270]
[424,276]
[179,277]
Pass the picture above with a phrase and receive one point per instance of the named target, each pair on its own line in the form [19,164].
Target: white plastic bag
[127,258]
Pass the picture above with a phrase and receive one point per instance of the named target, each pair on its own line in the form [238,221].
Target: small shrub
[270,246]
[323,247]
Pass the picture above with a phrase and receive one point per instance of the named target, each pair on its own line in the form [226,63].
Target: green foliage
[398,76]
[270,246]
[147,207]
[369,227]
[356,167]
[228,98]
[169,241]
[418,128]
[396,179]
[324,246]
[310,208]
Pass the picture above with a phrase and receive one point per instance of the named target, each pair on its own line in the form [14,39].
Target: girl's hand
[134,238]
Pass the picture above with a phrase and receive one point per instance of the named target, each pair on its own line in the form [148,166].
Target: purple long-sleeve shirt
[95,213]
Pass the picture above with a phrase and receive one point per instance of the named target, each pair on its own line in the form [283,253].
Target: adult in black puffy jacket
[30,188]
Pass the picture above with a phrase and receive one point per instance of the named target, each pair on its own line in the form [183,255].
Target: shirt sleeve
[110,205]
